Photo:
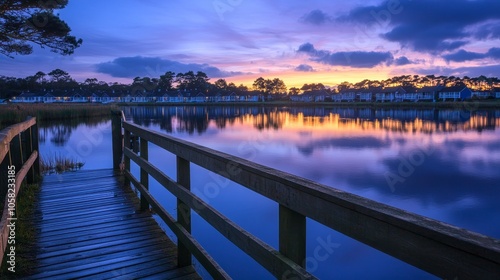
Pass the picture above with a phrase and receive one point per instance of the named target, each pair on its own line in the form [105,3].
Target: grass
[15,113]
[25,233]
[58,164]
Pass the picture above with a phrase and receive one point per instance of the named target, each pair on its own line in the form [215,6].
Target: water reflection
[441,164]
[193,119]
[60,131]
[419,160]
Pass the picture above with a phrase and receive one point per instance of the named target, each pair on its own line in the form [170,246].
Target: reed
[58,164]
[14,113]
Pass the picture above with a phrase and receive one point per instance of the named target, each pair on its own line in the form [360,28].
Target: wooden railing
[18,160]
[441,249]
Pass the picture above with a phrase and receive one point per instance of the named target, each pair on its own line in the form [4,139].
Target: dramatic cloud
[488,31]
[356,59]
[472,71]
[402,61]
[463,55]
[316,17]
[304,68]
[429,25]
[130,67]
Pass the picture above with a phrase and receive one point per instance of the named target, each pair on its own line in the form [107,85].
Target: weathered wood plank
[97,234]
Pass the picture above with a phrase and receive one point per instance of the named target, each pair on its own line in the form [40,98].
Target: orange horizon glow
[298,79]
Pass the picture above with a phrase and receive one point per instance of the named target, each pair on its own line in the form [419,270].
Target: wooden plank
[92,234]
[436,247]
[74,230]
[92,267]
[108,219]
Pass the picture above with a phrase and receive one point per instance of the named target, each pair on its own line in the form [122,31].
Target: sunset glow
[299,42]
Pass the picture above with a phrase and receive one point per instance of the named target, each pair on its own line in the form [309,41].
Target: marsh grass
[18,112]
[25,233]
[59,164]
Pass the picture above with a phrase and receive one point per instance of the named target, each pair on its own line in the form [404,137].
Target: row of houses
[398,94]
[140,96]
[390,94]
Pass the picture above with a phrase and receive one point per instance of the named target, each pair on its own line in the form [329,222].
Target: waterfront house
[496,92]
[229,97]
[428,93]
[387,94]
[348,95]
[200,97]
[172,97]
[311,96]
[481,94]
[27,97]
[250,96]
[366,95]
[76,97]
[460,92]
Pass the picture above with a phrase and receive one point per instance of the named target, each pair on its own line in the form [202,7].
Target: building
[455,93]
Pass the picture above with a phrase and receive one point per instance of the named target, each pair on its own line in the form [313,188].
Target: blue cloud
[402,61]
[428,25]
[463,55]
[138,66]
[304,68]
[316,17]
[355,59]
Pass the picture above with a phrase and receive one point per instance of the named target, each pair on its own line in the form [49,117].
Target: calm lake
[443,164]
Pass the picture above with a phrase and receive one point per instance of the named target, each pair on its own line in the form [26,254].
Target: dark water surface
[443,164]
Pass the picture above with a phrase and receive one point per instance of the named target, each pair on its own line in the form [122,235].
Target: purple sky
[298,41]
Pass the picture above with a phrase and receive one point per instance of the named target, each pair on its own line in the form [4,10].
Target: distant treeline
[59,80]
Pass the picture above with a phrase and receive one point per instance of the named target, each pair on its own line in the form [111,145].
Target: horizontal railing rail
[19,160]
[441,249]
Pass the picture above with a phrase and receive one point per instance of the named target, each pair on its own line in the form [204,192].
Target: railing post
[183,211]
[144,173]
[126,159]
[31,146]
[116,131]
[36,146]
[15,152]
[292,235]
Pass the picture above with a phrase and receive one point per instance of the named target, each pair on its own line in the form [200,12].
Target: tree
[260,84]
[58,75]
[221,84]
[40,77]
[269,86]
[242,88]
[294,91]
[166,81]
[25,21]
[277,86]
[313,87]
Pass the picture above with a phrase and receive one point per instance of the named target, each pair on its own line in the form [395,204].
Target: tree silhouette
[25,21]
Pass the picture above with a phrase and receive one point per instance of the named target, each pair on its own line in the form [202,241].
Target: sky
[316,41]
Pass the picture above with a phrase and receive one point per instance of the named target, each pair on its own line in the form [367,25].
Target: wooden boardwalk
[89,228]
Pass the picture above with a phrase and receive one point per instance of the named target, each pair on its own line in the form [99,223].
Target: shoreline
[467,105]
